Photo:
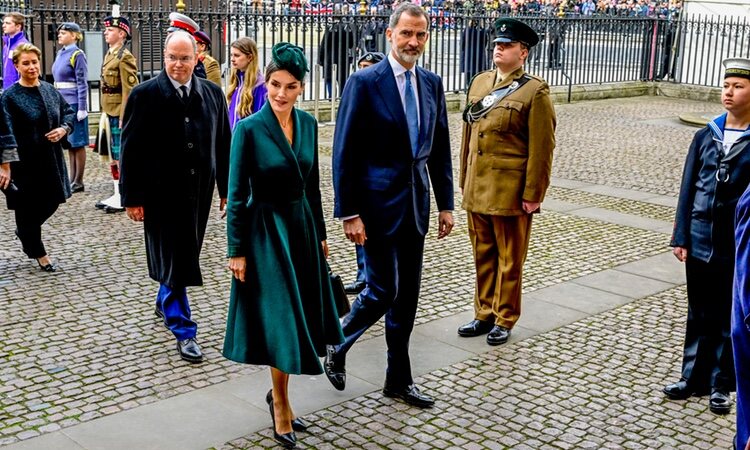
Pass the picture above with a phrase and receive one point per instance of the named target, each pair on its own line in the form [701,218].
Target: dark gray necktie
[184,93]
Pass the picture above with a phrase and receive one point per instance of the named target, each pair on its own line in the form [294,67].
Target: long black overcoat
[173,152]
[39,172]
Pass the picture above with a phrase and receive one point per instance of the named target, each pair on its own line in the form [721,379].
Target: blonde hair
[245,104]
[77,35]
[25,48]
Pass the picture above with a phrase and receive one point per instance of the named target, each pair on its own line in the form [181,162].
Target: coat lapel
[386,83]
[425,108]
[277,134]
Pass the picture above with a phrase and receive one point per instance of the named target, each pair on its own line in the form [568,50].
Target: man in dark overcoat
[168,178]
[337,48]
[475,40]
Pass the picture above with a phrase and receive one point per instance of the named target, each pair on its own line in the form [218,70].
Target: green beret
[290,58]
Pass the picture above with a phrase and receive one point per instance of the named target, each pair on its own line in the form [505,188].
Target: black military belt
[111,90]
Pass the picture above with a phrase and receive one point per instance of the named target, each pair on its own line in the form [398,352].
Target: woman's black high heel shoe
[47,267]
[298,424]
[288,440]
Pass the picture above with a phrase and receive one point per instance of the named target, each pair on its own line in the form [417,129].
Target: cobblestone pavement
[595,384]
[83,343]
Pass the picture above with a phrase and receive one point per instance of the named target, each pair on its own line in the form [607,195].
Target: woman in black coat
[35,121]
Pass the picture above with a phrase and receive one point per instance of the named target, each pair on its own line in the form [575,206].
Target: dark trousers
[29,220]
[707,358]
[741,347]
[393,272]
[360,264]
[173,302]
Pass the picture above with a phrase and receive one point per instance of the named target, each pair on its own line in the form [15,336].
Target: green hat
[290,58]
[512,30]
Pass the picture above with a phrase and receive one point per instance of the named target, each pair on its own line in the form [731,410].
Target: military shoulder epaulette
[535,77]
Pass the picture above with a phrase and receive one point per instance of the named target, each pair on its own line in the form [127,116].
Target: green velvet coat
[284,314]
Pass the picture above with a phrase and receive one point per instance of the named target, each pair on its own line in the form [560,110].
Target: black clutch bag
[339,294]
[11,193]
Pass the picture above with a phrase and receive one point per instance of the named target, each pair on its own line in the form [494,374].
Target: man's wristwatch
[66,127]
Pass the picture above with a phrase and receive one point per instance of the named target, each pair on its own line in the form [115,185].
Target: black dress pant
[707,358]
[29,219]
[393,273]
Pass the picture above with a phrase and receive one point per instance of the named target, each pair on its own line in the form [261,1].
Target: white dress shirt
[177,85]
[399,72]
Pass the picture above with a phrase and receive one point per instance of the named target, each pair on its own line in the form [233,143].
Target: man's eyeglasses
[174,59]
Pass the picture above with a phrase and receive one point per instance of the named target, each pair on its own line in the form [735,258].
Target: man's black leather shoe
[354,288]
[498,335]
[719,402]
[681,391]
[189,350]
[475,328]
[411,395]
[335,371]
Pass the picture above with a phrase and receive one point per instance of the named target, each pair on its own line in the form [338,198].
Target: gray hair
[181,34]
[410,9]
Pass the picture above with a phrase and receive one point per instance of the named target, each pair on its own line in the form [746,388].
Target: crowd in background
[666,9]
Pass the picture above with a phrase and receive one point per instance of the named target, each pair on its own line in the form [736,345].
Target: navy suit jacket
[375,174]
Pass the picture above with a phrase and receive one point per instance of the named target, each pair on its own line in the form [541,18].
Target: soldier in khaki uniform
[506,160]
[119,76]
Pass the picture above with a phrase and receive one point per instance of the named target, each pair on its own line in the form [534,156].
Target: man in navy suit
[383,195]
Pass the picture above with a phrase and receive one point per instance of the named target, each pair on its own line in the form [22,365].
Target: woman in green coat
[281,311]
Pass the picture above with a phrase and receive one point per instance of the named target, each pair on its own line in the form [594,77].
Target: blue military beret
[371,57]
[69,26]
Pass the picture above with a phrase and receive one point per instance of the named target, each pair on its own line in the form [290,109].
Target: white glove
[81,115]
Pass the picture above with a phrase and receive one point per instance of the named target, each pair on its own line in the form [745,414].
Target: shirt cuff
[343,219]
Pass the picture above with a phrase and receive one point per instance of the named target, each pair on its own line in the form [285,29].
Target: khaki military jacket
[119,76]
[506,156]
[213,72]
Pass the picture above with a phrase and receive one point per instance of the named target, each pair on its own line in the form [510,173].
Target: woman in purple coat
[247,89]
[70,73]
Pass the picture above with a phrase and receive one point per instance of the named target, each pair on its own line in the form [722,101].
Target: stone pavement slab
[579,297]
[663,267]
[57,441]
[198,419]
[623,283]
[628,220]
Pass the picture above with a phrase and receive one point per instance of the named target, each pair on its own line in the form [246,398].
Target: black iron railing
[573,49]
